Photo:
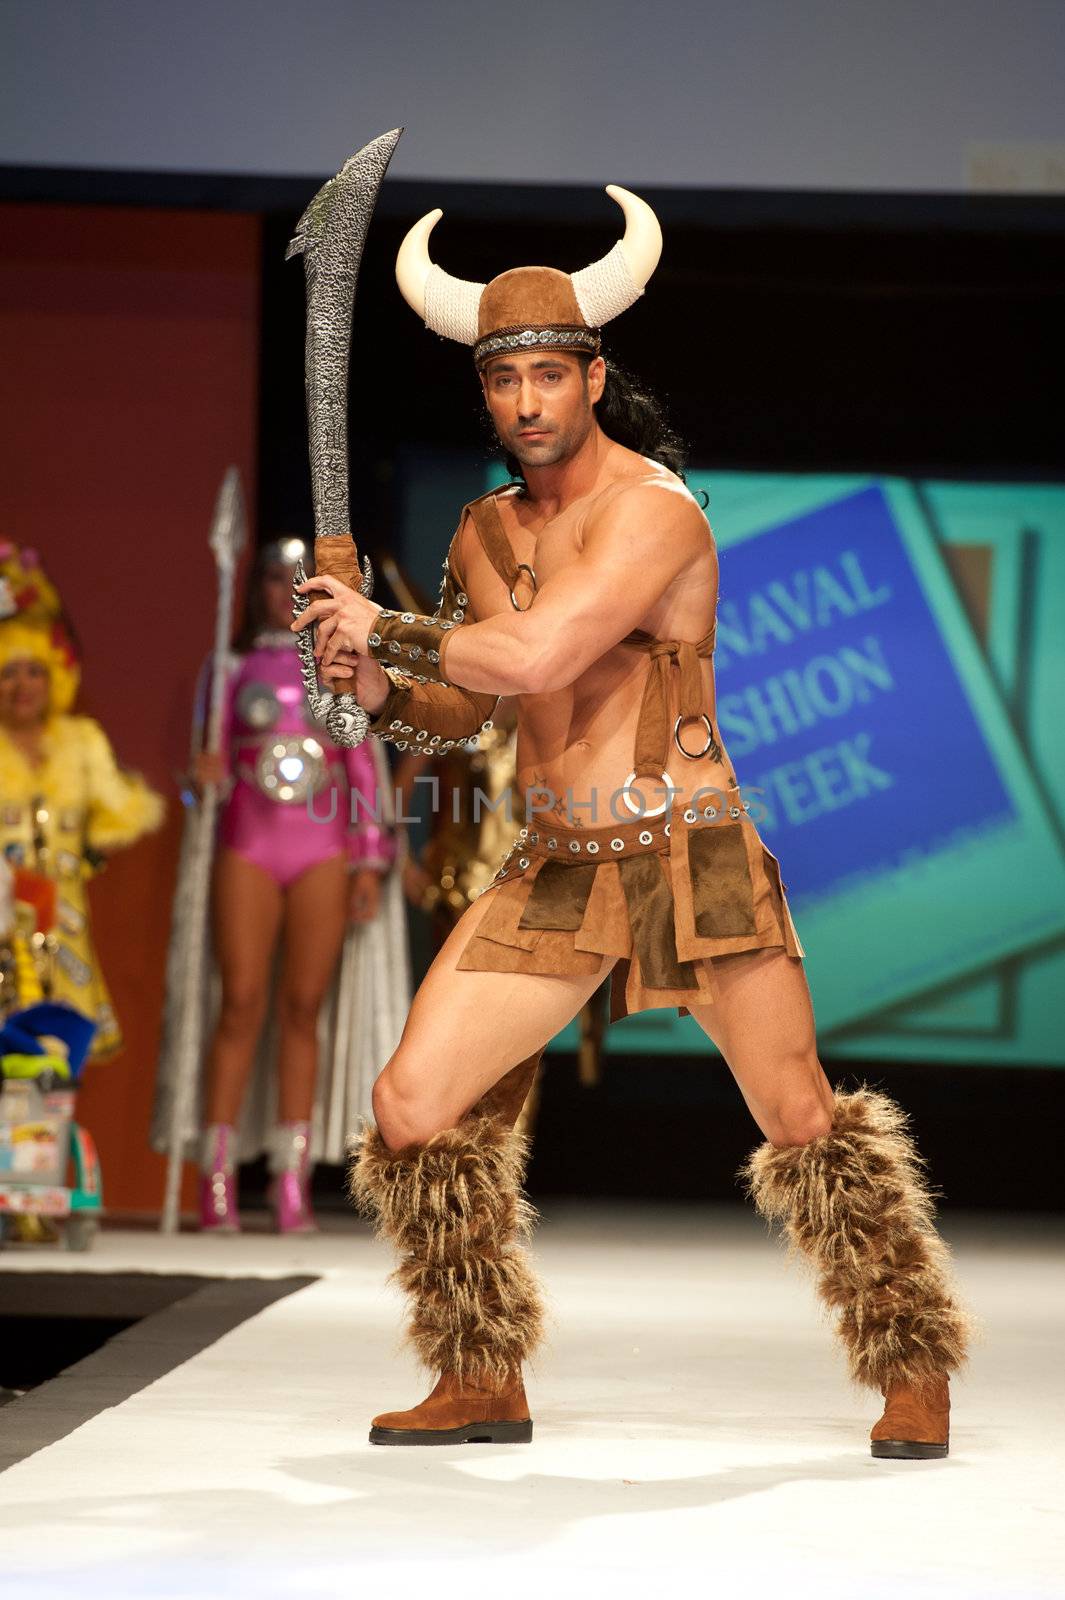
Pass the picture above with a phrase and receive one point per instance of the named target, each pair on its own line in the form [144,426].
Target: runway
[695,1432]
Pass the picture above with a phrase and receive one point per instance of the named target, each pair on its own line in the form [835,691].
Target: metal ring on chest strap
[523,566]
[711,742]
[650,811]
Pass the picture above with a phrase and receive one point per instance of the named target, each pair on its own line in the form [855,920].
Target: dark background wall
[785,332]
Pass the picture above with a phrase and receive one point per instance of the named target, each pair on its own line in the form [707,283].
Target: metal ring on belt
[695,755]
[523,566]
[655,811]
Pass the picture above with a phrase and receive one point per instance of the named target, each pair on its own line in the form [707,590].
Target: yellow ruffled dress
[53,818]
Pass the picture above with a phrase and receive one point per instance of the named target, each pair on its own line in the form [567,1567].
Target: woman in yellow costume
[64,802]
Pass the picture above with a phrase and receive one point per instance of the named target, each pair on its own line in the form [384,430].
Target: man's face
[541,403]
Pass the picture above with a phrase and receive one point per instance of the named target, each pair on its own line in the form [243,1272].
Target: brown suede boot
[916,1422]
[855,1204]
[460,1411]
[454,1209]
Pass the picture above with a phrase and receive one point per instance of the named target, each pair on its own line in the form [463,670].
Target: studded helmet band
[508,340]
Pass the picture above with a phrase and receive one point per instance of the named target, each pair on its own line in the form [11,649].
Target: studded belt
[571,845]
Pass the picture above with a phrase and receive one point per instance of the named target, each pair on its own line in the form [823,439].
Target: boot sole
[907,1450]
[469,1433]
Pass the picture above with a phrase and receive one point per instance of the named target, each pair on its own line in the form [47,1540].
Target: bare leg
[763,1024]
[441,1178]
[464,1031]
[247,915]
[842,1175]
[315,917]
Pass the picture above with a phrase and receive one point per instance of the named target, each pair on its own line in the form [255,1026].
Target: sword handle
[336,556]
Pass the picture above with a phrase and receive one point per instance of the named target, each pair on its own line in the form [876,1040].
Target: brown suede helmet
[530,308]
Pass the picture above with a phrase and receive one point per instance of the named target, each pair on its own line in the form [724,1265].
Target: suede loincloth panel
[665,897]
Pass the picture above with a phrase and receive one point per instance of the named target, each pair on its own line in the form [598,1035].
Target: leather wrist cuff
[413,644]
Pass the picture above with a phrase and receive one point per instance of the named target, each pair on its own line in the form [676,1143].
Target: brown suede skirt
[665,896]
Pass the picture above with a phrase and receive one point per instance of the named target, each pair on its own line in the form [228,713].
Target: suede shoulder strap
[484,512]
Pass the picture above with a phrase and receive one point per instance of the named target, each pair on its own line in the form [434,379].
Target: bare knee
[242,1010]
[298,1012]
[800,1116]
[403,1114]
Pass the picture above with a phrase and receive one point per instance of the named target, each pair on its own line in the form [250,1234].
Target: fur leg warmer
[856,1205]
[454,1210]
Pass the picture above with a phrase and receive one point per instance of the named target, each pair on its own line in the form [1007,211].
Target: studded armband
[410,643]
[432,717]
[423,711]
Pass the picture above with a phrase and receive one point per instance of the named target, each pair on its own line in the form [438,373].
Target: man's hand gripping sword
[345,720]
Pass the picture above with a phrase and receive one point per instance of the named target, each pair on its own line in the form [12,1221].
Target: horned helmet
[532,308]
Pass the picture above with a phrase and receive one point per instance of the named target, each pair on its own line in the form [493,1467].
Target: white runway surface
[694,1435]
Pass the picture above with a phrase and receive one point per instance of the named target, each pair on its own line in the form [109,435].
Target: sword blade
[330,236]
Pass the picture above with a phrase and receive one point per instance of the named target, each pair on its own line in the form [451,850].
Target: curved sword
[330,236]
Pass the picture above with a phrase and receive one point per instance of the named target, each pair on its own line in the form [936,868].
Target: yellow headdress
[32,626]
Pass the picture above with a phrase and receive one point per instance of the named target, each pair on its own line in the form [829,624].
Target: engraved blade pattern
[330,236]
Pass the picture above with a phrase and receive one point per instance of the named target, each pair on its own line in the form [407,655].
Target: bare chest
[549,548]
[509,566]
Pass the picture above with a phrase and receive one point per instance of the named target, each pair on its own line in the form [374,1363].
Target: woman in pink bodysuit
[299,857]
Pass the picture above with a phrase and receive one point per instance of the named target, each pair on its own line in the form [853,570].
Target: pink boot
[218,1180]
[290,1191]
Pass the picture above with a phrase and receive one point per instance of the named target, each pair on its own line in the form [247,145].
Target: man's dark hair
[631,414]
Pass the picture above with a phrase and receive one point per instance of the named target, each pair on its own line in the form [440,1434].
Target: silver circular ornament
[288,769]
[258,706]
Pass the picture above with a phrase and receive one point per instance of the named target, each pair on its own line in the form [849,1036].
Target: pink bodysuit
[296,798]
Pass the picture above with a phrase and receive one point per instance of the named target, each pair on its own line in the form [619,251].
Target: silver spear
[227,538]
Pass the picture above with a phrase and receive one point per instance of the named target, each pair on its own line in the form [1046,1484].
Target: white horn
[642,242]
[445,304]
[610,285]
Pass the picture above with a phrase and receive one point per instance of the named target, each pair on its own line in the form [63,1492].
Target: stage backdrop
[733,94]
[130,342]
[890,666]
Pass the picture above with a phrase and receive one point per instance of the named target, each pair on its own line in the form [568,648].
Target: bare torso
[576,745]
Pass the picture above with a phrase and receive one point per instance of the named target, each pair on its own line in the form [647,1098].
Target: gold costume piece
[471,834]
[77,800]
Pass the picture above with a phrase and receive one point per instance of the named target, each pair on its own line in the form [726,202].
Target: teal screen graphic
[839,701]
